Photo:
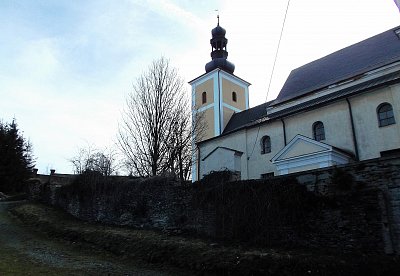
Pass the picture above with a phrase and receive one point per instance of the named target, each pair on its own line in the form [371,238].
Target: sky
[66,67]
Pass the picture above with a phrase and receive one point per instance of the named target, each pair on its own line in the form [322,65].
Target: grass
[14,263]
[200,255]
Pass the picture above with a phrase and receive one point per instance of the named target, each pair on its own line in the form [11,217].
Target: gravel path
[67,258]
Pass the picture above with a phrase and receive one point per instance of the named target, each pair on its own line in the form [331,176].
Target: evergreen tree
[16,160]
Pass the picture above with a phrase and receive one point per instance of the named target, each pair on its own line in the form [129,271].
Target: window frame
[234,96]
[266,146]
[382,115]
[204,97]
[318,129]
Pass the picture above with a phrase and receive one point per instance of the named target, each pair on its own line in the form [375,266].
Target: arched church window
[265,144]
[385,115]
[318,131]
[204,97]
[234,96]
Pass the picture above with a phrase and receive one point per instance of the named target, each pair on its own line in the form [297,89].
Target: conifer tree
[16,159]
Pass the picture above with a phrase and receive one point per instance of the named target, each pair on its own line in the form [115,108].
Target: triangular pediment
[300,146]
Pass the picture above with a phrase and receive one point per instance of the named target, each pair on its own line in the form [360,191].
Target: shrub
[259,212]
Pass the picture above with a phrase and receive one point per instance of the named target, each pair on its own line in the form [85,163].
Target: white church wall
[253,164]
[237,162]
[371,138]
[258,163]
[220,159]
[336,120]
[233,141]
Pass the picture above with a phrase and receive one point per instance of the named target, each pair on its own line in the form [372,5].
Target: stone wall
[381,175]
[349,208]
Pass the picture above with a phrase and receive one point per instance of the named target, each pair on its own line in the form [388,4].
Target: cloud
[174,12]
[67,66]
[38,59]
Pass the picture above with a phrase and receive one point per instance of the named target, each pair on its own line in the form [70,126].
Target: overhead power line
[272,73]
[277,49]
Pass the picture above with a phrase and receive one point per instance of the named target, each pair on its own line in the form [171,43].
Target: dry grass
[13,263]
[199,255]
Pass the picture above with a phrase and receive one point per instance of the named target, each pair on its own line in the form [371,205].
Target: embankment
[200,256]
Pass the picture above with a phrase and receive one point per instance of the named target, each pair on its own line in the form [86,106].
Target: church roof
[247,117]
[258,113]
[340,94]
[348,63]
[372,53]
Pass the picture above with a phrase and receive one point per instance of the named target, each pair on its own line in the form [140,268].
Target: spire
[217,16]
[219,54]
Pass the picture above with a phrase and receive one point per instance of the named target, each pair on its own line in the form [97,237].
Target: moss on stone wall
[344,209]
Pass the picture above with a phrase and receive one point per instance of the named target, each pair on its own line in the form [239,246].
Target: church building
[342,108]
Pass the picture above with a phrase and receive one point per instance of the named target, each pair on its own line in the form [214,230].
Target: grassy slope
[198,255]
[13,263]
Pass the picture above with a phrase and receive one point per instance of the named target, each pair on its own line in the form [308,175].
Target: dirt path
[24,252]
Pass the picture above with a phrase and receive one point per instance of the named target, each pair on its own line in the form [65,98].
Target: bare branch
[155,132]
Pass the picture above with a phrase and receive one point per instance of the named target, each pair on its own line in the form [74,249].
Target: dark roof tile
[369,54]
[246,117]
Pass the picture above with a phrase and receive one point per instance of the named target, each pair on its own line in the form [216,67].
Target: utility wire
[272,72]
[255,141]
[277,49]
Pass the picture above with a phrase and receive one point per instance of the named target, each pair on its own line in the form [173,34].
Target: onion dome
[218,31]
[219,54]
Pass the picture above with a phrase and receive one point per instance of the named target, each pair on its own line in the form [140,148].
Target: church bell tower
[217,94]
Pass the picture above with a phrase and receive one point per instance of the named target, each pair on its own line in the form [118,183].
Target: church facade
[342,108]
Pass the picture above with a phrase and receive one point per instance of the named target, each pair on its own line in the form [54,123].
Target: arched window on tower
[385,114]
[204,97]
[234,96]
[265,144]
[318,131]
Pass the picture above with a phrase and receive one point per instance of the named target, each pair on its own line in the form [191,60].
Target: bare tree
[92,159]
[181,141]
[82,161]
[105,162]
[155,131]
